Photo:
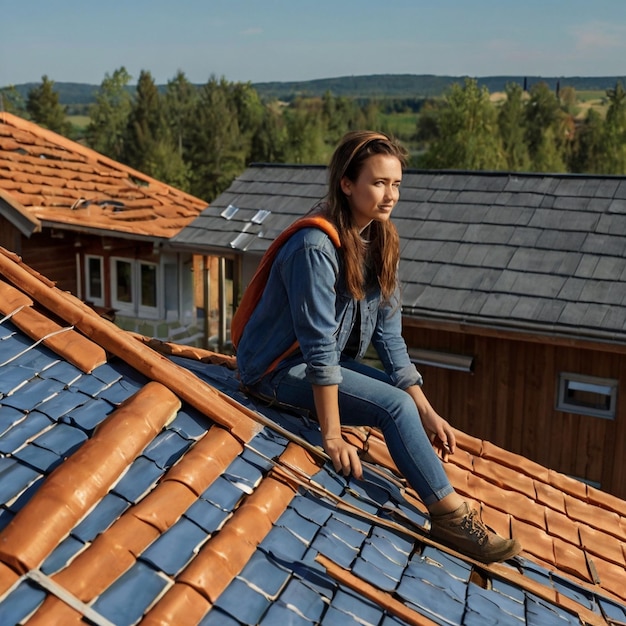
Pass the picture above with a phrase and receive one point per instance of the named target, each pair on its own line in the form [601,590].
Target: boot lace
[475,527]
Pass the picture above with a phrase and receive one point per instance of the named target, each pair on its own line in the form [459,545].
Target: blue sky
[281,40]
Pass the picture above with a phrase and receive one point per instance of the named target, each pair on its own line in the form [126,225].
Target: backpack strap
[255,289]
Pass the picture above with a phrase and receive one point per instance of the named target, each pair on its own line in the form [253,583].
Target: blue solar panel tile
[351,603]
[342,528]
[100,517]
[371,554]
[174,548]
[139,479]
[334,617]
[239,471]
[302,528]
[373,575]
[125,601]
[392,620]
[21,603]
[279,614]
[7,330]
[91,386]
[362,502]
[62,439]
[64,372]
[223,494]
[107,373]
[37,390]
[334,548]
[507,589]
[242,602]
[304,599]
[89,414]
[493,607]
[13,378]
[26,495]
[217,617]
[536,572]
[62,555]
[309,507]
[23,431]
[395,546]
[282,544]
[5,518]
[206,515]
[330,480]
[15,477]
[612,610]
[370,490]
[13,345]
[190,423]
[61,404]
[166,448]
[454,566]
[9,417]
[265,574]
[37,360]
[576,592]
[40,459]
[355,522]
[540,613]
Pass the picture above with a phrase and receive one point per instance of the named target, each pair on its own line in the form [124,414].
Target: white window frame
[89,297]
[603,387]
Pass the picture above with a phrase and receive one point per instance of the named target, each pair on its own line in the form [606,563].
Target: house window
[122,284]
[94,280]
[134,287]
[444,360]
[587,395]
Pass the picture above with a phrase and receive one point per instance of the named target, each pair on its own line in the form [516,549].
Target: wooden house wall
[510,399]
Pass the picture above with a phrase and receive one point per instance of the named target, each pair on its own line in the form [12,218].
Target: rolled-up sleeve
[310,275]
[391,347]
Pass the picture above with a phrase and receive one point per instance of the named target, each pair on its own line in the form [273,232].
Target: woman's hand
[438,429]
[344,456]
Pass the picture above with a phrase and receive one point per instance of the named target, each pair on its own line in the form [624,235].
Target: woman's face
[375,191]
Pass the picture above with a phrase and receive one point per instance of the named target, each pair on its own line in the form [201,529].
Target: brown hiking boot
[465,532]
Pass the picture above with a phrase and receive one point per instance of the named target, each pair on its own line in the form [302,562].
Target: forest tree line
[199,138]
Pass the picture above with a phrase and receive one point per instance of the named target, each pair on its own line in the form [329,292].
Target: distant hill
[373,86]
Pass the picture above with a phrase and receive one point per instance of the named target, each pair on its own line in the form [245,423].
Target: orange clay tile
[568,485]
[179,600]
[504,477]
[533,541]
[611,577]
[498,520]
[467,442]
[599,543]
[571,559]
[607,521]
[65,183]
[72,346]
[515,461]
[77,485]
[560,525]
[550,496]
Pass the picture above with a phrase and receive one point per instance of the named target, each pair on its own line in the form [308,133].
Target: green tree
[215,154]
[511,126]
[109,114]
[544,130]
[181,99]
[304,133]
[588,155]
[43,107]
[268,144]
[614,139]
[466,134]
[11,100]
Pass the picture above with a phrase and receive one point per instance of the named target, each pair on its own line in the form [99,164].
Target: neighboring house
[514,299]
[98,229]
[139,485]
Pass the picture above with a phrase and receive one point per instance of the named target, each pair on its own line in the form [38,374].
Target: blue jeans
[367,398]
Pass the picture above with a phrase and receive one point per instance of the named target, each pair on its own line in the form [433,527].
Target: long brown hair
[347,161]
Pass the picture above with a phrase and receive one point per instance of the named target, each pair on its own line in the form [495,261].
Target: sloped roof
[544,252]
[61,183]
[138,484]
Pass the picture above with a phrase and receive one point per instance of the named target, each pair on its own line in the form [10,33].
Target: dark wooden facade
[509,398]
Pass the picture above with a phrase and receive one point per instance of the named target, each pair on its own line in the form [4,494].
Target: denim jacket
[305,299]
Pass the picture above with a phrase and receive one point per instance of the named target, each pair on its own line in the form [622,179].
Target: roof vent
[229,212]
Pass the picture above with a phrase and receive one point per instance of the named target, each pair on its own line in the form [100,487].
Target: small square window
[587,395]
[94,280]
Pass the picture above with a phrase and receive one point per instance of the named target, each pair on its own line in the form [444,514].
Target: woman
[328,292]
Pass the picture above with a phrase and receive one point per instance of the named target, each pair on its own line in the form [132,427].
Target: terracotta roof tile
[64,183]
[231,513]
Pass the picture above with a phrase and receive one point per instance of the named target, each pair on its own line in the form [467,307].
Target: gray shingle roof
[534,250]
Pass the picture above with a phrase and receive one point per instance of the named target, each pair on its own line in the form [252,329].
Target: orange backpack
[254,291]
